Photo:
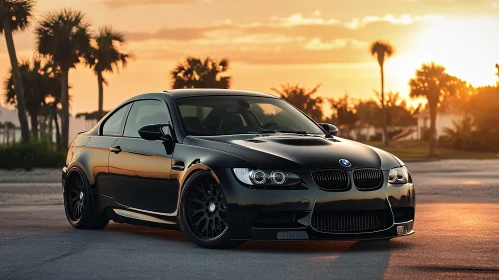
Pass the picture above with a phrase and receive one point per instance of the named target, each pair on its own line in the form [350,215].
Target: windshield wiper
[261,131]
[292,131]
[280,131]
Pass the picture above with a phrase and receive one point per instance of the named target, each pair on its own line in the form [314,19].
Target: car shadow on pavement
[271,246]
[324,246]
[295,246]
[143,231]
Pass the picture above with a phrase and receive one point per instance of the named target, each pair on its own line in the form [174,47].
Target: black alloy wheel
[204,212]
[207,209]
[80,209]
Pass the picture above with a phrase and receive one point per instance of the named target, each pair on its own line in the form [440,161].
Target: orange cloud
[125,3]
[295,39]
[367,28]
[270,56]
[299,19]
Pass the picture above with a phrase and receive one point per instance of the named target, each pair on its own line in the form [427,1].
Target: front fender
[196,158]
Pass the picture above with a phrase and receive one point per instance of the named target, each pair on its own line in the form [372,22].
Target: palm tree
[302,98]
[56,112]
[32,82]
[64,38]
[382,50]
[39,82]
[434,83]
[197,73]
[105,56]
[15,15]
[461,136]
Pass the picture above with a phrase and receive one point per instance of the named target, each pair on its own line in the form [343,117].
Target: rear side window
[143,113]
[114,124]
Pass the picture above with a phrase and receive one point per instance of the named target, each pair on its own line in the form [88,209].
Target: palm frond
[201,73]
[18,14]
[63,37]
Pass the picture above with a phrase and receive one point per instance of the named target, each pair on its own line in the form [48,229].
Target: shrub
[31,155]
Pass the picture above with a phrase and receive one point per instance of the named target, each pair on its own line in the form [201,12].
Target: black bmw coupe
[228,166]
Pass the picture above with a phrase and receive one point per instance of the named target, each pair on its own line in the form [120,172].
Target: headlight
[399,175]
[264,177]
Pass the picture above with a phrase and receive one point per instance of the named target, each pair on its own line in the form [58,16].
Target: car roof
[180,93]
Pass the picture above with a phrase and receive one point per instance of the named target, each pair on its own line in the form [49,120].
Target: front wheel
[203,212]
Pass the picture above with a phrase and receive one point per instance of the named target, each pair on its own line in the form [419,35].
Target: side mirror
[156,132]
[332,129]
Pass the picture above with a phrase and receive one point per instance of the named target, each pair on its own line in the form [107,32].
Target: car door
[140,169]
[97,148]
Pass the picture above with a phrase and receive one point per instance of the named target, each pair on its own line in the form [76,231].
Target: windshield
[222,115]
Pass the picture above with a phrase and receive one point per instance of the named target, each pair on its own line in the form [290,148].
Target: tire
[79,205]
[203,212]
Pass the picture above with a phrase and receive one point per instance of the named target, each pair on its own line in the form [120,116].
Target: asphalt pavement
[451,240]
[456,237]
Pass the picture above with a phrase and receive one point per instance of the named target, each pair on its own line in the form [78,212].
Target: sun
[466,46]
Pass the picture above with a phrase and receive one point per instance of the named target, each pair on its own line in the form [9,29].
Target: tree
[485,118]
[32,83]
[198,73]
[302,98]
[461,136]
[397,111]
[64,38]
[39,82]
[433,83]
[382,50]
[459,100]
[344,113]
[15,15]
[369,113]
[105,56]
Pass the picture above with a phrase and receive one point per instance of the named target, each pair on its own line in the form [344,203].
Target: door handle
[179,166]
[115,150]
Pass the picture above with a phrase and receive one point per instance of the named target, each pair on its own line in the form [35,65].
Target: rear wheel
[204,212]
[78,203]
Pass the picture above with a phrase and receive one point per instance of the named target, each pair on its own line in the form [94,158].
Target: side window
[114,124]
[145,112]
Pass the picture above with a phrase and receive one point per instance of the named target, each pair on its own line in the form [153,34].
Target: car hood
[297,152]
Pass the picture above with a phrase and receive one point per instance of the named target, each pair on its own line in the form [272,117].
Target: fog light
[401,229]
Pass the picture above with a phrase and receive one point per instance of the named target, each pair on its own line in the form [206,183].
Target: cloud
[363,29]
[171,33]
[275,56]
[295,39]
[456,7]
[125,3]
[298,19]
[318,44]
[404,19]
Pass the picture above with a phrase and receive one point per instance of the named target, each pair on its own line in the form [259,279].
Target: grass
[415,150]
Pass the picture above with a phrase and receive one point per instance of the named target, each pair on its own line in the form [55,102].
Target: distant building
[443,120]
[371,133]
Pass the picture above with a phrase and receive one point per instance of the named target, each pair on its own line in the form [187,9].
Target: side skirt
[126,216]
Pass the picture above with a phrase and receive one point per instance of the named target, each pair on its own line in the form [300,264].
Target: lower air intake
[351,221]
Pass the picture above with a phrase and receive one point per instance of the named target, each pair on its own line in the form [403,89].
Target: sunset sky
[270,42]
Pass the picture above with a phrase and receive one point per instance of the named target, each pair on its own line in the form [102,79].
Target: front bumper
[287,214]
